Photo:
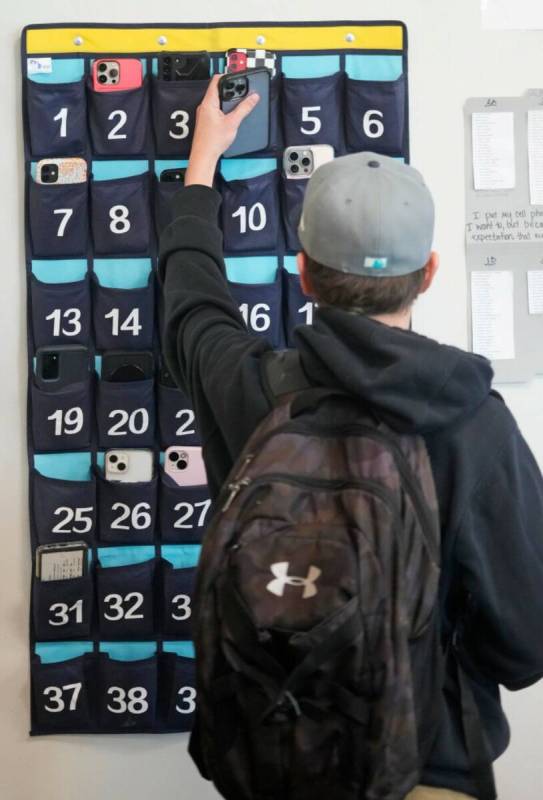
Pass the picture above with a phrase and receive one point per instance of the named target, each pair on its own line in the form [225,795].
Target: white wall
[451,58]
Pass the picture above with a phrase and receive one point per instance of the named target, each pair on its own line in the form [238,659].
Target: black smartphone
[173,175]
[184,66]
[127,365]
[58,367]
[254,132]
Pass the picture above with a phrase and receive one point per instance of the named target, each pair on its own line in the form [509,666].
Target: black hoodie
[489,486]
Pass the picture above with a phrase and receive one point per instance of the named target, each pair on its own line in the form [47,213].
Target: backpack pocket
[179,691]
[176,418]
[62,509]
[260,306]
[126,413]
[62,609]
[62,420]
[313,111]
[293,191]
[58,219]
[183,511]
[120,215]
[119,121]
[127,511]
[123,318]
[61,694]
[57,118]
[250,213]
[174,114]
[375,115]
[61,312]
[128,694]
[125,598]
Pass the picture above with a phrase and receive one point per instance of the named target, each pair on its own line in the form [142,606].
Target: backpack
[316,626]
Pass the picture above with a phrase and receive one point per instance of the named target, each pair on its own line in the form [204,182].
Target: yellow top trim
[146,40]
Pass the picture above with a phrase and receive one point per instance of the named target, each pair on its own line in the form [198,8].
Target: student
[367,234]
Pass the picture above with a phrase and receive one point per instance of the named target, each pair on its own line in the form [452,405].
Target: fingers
[212,93]
[244,108]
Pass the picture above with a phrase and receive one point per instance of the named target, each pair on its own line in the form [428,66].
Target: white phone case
[138,465]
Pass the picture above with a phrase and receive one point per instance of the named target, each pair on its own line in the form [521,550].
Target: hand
[214,133]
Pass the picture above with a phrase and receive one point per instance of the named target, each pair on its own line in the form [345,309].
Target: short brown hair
[365,295]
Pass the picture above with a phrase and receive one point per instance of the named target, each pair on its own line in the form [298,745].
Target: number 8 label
[119,221]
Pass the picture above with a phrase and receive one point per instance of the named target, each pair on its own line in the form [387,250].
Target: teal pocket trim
[123,556]
[52,652]
[185,649]
[98,365]
[123,273]
[255,269]
[65,466]
[180,163]
[309,66]
[373,68]
[64,70]
[65,271]
[236,169]
[128,651]
[289,263]
[107,170]
[181,556]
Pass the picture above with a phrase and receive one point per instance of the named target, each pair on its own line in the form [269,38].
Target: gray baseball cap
[367,214]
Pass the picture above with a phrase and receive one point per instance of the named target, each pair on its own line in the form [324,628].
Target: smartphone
[254,132]
[61,170]
[185,465]
[184,66]
[173,175]
[58,367]
[127,365]
[129,466]
[63,561]
[239,59]
[301,162]
[115,75]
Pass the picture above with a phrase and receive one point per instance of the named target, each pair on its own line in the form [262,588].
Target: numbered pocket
[128,692]
[125,413]
[125,600]
[176,418]
[127,511]
[312,111]
[177,593]
[375,115]
[250,213]
[62,609]
[57,118]
[260,307]
[63,510]
[58,219]
[293,191]
[164,192]
[62,420]
[61,694]
[184,511]
[120,216]
[179,691]
[60,312]
[276,122]
[299,307]
[174,114]
[124,318]
[119,121]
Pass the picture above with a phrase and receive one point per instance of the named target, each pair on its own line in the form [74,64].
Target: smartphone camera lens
[102,78]
[173,456]
[293,156]
[182,463]
[113,459]
[228,95]
[306,161]
[102,67]
[230,85]
[121,466]
[113,72]
[294,169]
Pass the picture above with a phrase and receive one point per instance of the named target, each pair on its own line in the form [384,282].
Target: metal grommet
[350,37]
[162,40]
[78,41]
[261,39]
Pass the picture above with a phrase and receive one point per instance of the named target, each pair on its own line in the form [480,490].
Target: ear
[430,269]
[301,263]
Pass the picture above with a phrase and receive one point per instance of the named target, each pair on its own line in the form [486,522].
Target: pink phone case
[194,473]
[130,75]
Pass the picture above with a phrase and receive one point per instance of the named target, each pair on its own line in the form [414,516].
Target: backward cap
[368,214]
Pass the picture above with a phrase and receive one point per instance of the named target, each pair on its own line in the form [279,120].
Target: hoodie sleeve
[500,551]
[206,345]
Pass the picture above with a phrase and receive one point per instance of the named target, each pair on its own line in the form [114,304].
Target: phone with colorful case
[116,74]
[61,170]
[239,59]
[185,465]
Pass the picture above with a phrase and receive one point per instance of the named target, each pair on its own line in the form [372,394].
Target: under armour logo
[282,578]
